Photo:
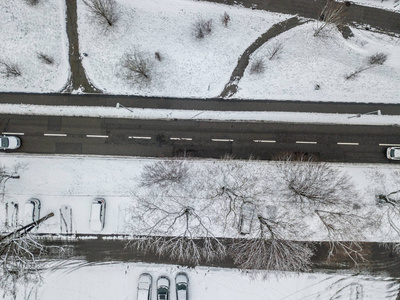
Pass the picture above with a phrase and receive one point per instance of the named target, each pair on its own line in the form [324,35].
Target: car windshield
[4,142]
[181,287]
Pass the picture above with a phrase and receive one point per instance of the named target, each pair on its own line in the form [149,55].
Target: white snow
[191,67]
[27,31]
[201,115]
[393,5]
[59,180]
[119,281]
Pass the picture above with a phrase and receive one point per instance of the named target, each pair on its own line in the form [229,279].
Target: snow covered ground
[384,4]
[191,67]
[26,32]
[119,281]
[76,180]
[201,115]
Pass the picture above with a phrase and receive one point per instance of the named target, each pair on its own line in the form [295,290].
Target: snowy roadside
[60,180]
[200,115]
[87,281]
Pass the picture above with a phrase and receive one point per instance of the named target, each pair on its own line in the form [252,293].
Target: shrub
[45,58]
[275,50]
[103,12]
[225,19]
[9,69]
[202,28]
[257,67]
[32,2]
[137,68]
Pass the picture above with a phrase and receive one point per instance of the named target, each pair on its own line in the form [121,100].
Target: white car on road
[393,153]
[9,142]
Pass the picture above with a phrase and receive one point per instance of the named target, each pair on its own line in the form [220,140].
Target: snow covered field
[192,67]
[26,32]
[76,180]
[119,281]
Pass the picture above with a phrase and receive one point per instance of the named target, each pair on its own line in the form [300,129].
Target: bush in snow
[104,12]
[274,51]
[157,55]
[202,28]
[32,2]
[137,68]
[9,69]
[374,60]
[45,58]
[257,67]
[225,19]
[164,173]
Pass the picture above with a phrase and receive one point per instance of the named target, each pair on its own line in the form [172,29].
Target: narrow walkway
[78,79]
[370,18]
[237,74]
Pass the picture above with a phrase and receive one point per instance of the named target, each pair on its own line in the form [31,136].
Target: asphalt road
[198,104]
[157,138]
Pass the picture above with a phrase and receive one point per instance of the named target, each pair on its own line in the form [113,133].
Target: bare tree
[272,246]
[374,60]
[201,28]
[20,256]
[225,19]
[257,66]
[164,173]
[232,183]
[310,182]
[177,221]
[328,196]
[274,51]
[177,228]
[333,13]
[9,69]
[104,12]
[32,2]
[137,68]
[47,59]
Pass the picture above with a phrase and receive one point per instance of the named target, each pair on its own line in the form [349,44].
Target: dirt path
[78,79]
[232,86]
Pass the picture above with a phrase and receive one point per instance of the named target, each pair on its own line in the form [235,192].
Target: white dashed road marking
[221,140]
[305,142]
[13,133]
[348,144]
[264,141]
[55,134]
[180,139]
[96,136]
[390,145]
[140,137]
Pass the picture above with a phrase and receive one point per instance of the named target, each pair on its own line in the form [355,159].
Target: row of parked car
[163,287]
[31,213]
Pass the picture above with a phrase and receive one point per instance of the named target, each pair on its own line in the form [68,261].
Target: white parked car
[31,211]
[9,142]
[182,282]
[246,217]
[97,214]
[144,287]
[393,153]
[162,288]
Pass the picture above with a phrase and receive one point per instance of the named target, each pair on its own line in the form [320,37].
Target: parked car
[97,214]
[162,288]
[182,282]
[246,217]
[144,287]
[393,153]
[31,211]
[9,142]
